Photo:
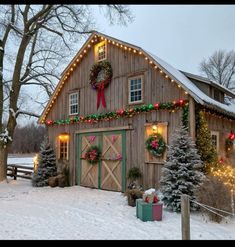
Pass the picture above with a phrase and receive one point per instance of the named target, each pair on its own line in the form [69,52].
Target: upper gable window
[73,103]
[101,51]
[217,95]
[135,85]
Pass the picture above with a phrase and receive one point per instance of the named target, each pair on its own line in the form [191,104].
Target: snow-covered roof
[209,82]
[193,90]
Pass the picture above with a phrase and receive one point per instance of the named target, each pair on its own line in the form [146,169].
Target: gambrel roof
[169,71]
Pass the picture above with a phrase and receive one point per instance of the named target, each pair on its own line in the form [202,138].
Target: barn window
[217,95]
[215,140]
[63,146]
[73,103]
[135,89]
[101,51]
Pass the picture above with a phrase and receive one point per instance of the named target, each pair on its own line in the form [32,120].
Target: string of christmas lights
[130,112]
[92,41]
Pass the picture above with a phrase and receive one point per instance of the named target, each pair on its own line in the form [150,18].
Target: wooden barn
[112,97]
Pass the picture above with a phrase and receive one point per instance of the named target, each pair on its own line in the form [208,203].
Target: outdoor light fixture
[155,128]
[64,137]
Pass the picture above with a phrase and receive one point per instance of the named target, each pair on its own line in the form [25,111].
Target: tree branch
[26,113]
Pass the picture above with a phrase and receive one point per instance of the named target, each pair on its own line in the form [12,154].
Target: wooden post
[14,172]
[185,217]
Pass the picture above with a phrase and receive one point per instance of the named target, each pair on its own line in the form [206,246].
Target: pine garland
[129,112]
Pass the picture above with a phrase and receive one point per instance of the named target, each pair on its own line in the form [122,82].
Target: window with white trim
[100,50]
[63,147]
[135,85]
[215,140]
[73,103]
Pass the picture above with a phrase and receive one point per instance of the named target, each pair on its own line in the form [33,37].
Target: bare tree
[28,138]
[34,40]
[220,67]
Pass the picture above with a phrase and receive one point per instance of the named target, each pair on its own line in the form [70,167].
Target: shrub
[132,195]
[215,194]
[134,173]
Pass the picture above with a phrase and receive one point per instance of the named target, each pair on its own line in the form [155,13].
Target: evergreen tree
[204,144]
[47,165]
[180,174]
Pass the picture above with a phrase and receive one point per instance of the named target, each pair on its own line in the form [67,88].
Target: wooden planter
[148,211]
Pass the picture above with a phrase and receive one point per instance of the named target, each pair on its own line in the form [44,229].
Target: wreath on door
[100,76]
[156,145]
[93,155]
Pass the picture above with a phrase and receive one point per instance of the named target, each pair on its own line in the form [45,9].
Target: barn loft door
[111,166]
[109,173]
[89,172]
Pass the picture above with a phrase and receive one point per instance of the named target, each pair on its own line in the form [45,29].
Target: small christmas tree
[180,174]
[204,145]
[47,165]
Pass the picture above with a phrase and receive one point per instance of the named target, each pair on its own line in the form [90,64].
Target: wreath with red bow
[93,154]
[156,145]
[98,67]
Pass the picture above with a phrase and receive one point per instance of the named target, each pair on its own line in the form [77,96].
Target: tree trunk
[3,163]
[14,95]
[1,83]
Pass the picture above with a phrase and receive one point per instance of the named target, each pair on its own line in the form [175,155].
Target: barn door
[89,172]
[112,165]
[110,172]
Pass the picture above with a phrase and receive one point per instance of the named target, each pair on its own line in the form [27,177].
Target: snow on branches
[4,137]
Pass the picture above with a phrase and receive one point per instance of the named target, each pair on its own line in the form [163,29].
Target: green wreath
[156,145]
[93,154]
[96,69]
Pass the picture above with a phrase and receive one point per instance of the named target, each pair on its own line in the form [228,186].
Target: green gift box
[148,211]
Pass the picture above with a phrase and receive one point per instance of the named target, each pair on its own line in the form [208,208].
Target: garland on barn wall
[130,112]
[185,116]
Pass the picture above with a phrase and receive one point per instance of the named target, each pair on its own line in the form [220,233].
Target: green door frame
[100,144]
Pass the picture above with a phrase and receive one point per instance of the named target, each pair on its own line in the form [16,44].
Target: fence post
[185,217]
[15,172]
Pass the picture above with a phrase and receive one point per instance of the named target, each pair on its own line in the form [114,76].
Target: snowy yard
[82,213]
[26,160]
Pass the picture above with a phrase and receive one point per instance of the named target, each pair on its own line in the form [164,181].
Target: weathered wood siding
[223,126]
[157,88]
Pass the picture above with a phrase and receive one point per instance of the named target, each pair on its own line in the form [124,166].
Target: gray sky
[182,35]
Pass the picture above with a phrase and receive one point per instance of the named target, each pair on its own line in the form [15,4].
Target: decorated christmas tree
[47,165]
[181,174]
[204,144]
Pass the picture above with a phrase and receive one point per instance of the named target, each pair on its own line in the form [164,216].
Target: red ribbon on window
[100,96]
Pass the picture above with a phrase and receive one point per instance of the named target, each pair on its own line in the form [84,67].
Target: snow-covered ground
[76,212]
[26,160]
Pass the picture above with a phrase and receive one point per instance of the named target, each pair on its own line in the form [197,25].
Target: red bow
[100,89]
